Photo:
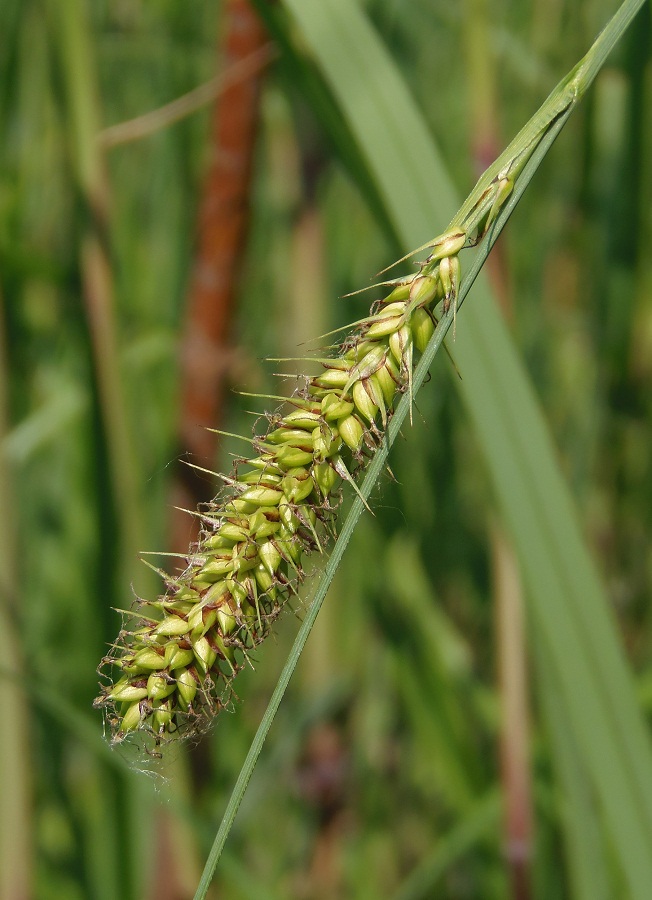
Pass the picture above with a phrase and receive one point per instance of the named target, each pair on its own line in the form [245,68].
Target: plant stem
[357,507]
[522,157]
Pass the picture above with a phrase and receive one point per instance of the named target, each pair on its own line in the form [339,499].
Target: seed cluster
[177,664]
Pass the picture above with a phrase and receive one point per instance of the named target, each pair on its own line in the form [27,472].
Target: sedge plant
[176,664]
[172,668]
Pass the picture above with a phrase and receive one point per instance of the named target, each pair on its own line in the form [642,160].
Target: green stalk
[71,27]
[520,161]
[570,610]
[589,876]
[114,834]
[374,470]
[565,96]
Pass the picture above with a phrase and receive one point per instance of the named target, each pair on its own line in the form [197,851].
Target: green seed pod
[158,687]
[218,542]
[352,434]
[290,457]
[255,520]
[303,419]
[131,669]
[325,477]
[297,489]
[161,718]
[387,383]
[239,507]
[210,617]
[262,496]
[237,591]
[384,326]
[423,290]
[333,407]
[371,362]
[216,594]
[399,343]
[131,718]
[260,462]
[225,651]
[247,550]
[295,437]
[503,190]
[269,557]
[264,579]
[248,613]
[233,532]
[448,244]
[203,584]
[363,402]
[400,292]
[124,691]
[173,625]
[144,632]
[326,442]
[360,350]
[422,328]
[373,388]
[216,568]
[261,479]
[204,653]
[178,657]
[290,548]
[267,529]
[393,309]
[187,686]
[148,658]
[288,518]
[306,515]
[332,378]
[334,362]
[174,607]
[196,621]
[245,563]
[186,593]
[449,272]
[227,620]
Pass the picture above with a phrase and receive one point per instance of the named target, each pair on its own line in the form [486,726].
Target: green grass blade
[586,856]
[358,506]
[414,186]
[569,607]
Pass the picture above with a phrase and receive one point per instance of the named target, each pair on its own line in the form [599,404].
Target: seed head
[174,664]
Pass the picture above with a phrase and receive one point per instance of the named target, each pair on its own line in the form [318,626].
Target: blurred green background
[382,776]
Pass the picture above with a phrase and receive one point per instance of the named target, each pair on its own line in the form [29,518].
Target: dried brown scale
[177,665]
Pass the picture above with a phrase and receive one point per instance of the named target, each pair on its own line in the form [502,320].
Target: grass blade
[565,593]
[358,506]
[567,602]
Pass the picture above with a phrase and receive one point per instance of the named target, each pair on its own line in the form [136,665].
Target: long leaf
[380,110]
[567,602]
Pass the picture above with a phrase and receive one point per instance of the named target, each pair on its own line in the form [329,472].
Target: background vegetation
[382,776]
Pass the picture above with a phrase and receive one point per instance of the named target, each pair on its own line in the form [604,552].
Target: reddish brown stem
[206,353]
[514,738]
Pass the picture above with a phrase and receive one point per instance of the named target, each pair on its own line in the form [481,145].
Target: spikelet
[172,671]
